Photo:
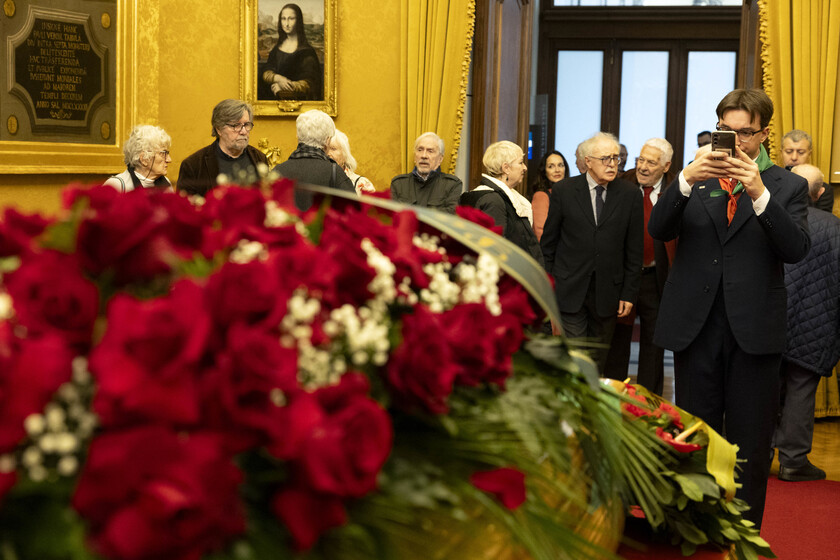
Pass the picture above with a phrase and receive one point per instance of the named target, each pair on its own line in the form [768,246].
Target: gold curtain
[436,41]
[799,51]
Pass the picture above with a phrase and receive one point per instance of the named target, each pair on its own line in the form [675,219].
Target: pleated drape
[800,43]
[435,54]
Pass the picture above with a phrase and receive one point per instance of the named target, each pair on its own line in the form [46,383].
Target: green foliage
[35,522]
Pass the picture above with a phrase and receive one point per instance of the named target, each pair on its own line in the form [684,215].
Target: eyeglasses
[237,127]
[606,160]
[164,153]
[743,135]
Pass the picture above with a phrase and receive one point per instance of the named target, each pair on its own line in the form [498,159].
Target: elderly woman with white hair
[497,197]
[309,163]
[339,151]
[147,159]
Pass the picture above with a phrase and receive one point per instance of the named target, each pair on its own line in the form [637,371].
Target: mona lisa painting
[288,63]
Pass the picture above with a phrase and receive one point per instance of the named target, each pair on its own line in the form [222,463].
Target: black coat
[199,171]
[516,229]
[744,259]
[312,166]
[575,247]
[813,287]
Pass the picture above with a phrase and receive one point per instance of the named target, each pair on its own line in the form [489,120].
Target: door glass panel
[644,99]
[579,87]
[711,75]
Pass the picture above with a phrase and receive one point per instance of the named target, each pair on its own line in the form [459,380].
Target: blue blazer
[744,259]
[574,247]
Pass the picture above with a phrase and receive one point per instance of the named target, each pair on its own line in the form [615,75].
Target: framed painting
[288,61]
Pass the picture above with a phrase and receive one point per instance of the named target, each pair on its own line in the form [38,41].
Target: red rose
[152,493]
[146,364]
[295,423]
[345,452]
[247,292]
[341,241]
[307,514]
[31,370]
[476,216]
[50,293]
[422,370]
[236,393]
[506,484]
[406,256]
[138,234]
[237,212]
[482,343]
[18,230]
[516,301]
[680,446]
[302,264]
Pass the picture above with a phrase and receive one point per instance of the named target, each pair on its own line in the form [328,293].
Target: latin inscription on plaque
[59,70]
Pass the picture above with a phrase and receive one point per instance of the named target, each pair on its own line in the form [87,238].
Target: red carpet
[802,519]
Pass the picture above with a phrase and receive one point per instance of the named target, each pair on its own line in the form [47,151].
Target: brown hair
[754,101]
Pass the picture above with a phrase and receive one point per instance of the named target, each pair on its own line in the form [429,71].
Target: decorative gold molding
[248,74]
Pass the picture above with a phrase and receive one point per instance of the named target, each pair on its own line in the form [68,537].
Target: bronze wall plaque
[60,72]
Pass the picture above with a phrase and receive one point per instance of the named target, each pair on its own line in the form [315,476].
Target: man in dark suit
[592,244]
[723,311]
[652,175]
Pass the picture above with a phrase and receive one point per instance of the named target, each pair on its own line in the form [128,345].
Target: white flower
[7,464]
[67,465]
[34,424]
[6,307]
[55,418]
[81,375]
[31,456]
[247,251]
[37,473]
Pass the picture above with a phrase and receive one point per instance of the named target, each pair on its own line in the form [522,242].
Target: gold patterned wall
[187,60]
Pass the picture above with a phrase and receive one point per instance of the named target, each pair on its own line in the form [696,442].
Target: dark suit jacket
[574,247]
[199,171]
[744,259]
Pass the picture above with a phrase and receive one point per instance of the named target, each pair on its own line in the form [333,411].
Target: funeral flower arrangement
[232,378]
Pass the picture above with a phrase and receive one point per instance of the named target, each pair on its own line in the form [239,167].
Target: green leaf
[691,533]
[718,192]
[689,487]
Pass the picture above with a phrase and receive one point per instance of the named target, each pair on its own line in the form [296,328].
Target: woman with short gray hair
[146,156]
[497,196]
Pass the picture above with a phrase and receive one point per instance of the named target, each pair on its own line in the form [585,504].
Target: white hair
[343,144]
[432,135]
[663,146]
[587,145]
[144,139]
[498,154]
[315,128]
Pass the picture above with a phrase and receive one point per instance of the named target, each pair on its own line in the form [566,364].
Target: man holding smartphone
[723,310]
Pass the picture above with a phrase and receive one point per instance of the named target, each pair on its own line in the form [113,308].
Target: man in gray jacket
[427,185]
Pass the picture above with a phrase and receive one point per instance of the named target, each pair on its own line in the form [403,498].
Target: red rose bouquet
[231,378]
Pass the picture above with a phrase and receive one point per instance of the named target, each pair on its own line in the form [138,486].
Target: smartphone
[724,141]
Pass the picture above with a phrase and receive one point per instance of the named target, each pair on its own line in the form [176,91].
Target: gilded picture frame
[39,134]
[275,81]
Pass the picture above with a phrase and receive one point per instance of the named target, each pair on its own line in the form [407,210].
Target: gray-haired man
[427,185]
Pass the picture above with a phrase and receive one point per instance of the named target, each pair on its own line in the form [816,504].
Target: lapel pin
[701,187]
